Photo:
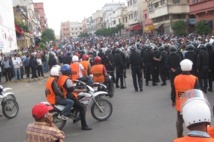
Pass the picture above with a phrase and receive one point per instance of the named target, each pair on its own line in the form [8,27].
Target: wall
[7,28]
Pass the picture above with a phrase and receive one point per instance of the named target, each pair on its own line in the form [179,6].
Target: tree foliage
[83,35]
[179,28]
[203,28]
[109,31]
[42,45]
[48,35]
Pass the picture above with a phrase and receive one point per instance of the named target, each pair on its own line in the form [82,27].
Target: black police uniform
[203,67]
[120,67]
[136,67]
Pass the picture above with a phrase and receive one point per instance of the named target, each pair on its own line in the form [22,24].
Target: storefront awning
[136,27]
[18,30]
[149,28]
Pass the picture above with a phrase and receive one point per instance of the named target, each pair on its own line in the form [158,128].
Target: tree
[202,28]
[83,35]
[119,27]
[42,45]
[179,28]
[48,35]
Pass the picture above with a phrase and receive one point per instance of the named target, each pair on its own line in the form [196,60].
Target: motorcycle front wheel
[60,123]
[10,108]
[101,109]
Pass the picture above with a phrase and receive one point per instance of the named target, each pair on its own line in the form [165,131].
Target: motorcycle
[101,108]
[10,107]
[107,86]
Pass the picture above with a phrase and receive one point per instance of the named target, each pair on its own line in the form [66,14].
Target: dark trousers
[162,70]
[203,78]
[40,70]
[148,71]
[80,107]
[33,70]
[27,71]
[210,76]
[119,75]
[7,72]
[179,125]
[137,75]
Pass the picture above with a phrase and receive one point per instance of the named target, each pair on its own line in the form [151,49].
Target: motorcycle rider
[100,74]
[53,93]
[86,64]
[77,69]
[65,83]
[183,82]
[197,116]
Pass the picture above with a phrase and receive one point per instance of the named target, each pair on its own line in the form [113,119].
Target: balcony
[168,9]
[203,6]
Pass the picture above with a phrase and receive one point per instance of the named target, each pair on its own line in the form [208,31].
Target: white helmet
[186,65]
[75,58]
[55,70]
[196,110]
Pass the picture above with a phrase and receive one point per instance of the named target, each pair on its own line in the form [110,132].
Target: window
[176,1]
[80,28]
[156,4]
[119,20]
[145,15]
[135,14]
[162,2]
[195,1]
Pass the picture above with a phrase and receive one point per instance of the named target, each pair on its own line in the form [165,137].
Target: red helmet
[97,59]
[85,57]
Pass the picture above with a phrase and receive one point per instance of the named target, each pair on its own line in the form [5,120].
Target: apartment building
[39,7]
[75,29]
[108,9]
[203,10]
[164,12]
[65,30]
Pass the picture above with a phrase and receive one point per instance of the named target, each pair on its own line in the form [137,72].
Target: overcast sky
[58,11]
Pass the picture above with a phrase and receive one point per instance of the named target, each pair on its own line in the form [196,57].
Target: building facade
[164,12]
[108,9]
[65,30]
[8,40]
[98,19]
[75,29]
[203,10]
[39,7]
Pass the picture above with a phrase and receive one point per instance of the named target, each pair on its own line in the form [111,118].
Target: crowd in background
[158,54]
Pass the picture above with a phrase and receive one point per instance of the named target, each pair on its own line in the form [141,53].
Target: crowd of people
[185,61]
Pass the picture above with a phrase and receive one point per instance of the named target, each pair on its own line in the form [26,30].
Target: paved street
[137,117]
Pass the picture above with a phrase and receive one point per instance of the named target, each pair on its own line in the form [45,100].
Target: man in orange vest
[183,82]
[65,83]
[77,69]
[197,116]
[54,95]
[98,70]
[86,64]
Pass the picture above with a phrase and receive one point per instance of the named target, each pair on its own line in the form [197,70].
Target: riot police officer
[136,67]
[192,56]
[203,67]
[120,68]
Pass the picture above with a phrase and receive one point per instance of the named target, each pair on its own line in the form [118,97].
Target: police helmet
[173,49]
[97,60]
[209,46]
[190,47]
[161,48]
[202,47]
[132,48]
[117,50]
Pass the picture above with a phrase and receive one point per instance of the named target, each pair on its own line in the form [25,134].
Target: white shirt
[17,63]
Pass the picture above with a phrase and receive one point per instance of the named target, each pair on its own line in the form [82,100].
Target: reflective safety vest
[74,71]
[210,131]
[50,95]
[98,73]
[193,139]
[85,64]
[61,81]
[183,83]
